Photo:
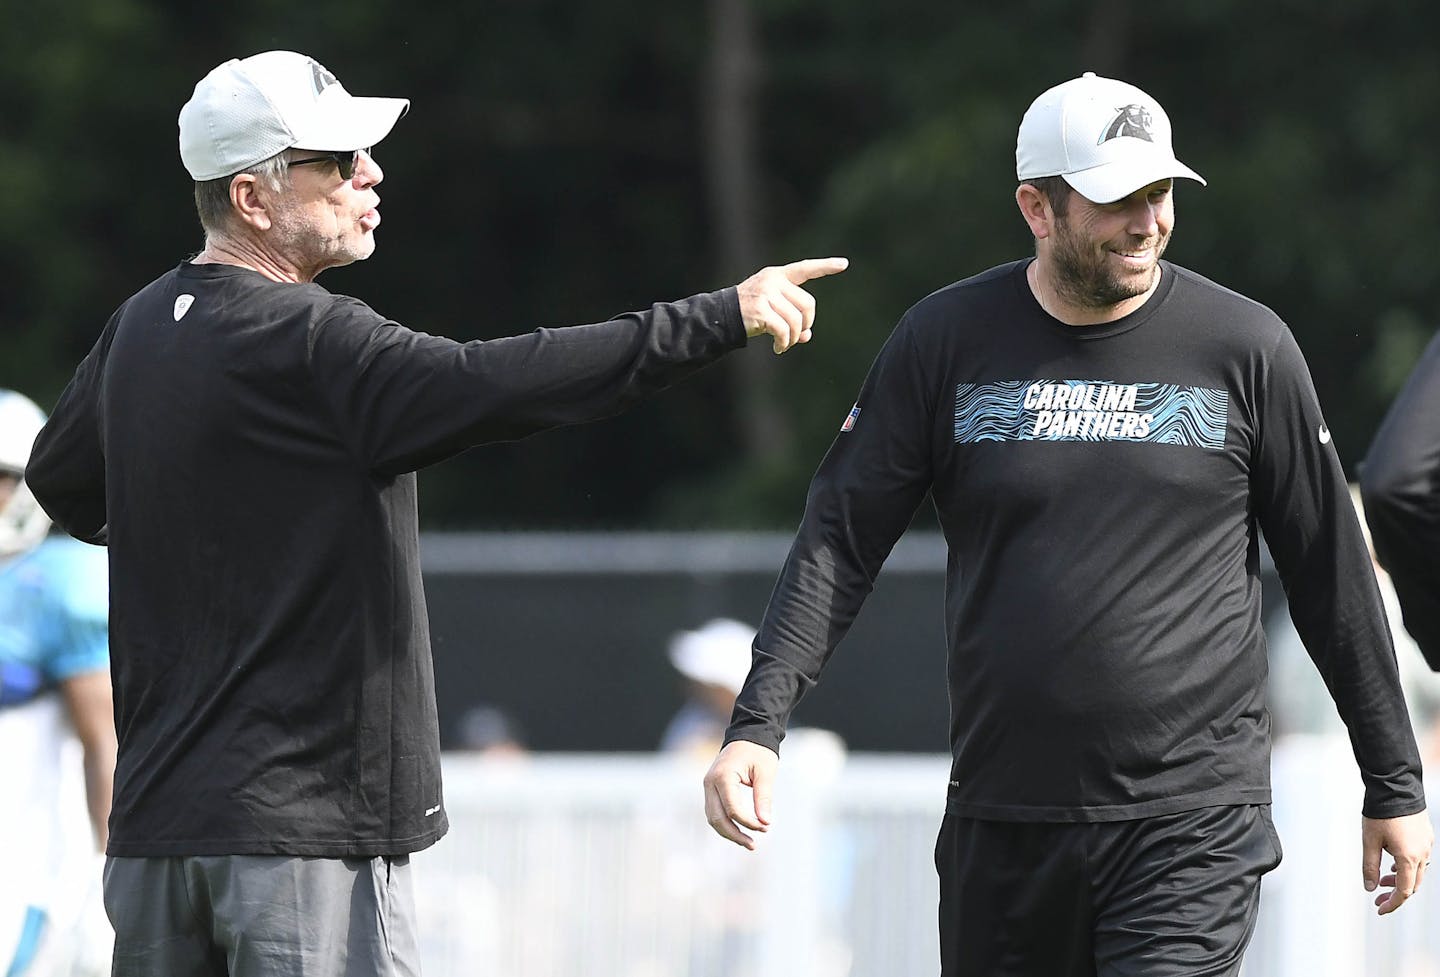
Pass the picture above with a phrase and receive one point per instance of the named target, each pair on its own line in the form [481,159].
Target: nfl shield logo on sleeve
[850,419]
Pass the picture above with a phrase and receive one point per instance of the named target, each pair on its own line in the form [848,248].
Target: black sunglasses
[344,159]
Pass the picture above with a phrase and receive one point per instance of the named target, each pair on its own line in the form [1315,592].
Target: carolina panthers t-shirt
[1102,490]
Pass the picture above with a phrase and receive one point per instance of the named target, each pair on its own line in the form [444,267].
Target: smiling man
[1105,435]
[245,443]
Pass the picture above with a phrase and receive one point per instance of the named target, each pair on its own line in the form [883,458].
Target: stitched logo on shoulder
[182,306]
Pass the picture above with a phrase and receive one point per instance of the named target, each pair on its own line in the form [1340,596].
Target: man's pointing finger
[802,271]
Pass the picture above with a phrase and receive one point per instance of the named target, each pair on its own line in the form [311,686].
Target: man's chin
[362,250]
[340,261]
[1135,281]
[1114,290]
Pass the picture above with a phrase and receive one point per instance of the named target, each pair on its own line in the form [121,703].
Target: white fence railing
[603,866]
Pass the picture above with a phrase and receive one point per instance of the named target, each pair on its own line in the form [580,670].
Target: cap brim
[352,122]
[1109,182]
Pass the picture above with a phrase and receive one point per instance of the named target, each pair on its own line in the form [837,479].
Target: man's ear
[249,202]
[1035,208]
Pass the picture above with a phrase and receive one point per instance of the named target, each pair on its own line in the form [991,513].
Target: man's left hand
[1409,839]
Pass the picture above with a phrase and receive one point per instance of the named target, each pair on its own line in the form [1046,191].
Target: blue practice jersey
[53,617]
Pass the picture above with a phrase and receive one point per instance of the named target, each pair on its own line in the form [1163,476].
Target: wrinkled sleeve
[860,501]
[1400,485]
[405,399]
[1304,507]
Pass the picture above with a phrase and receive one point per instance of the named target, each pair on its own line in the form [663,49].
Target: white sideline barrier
[603,866]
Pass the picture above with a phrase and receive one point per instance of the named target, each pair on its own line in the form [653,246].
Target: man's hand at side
[738,789]
[1409,839]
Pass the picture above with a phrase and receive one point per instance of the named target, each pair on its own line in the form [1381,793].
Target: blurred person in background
[727,895]
[489,731]
[713,661]
[1400,490]
[246,442]
[57,733]
[1299,700]
[1400,485]
[1105,435]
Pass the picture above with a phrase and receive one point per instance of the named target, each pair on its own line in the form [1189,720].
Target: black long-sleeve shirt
[1101,490]
[247,450]
[1400,486]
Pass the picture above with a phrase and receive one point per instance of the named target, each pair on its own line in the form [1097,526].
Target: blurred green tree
[562,163]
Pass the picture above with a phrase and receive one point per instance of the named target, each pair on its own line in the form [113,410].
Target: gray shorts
[253,915]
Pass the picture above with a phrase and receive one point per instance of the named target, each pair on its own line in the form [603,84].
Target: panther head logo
[321,77]
[1130,120]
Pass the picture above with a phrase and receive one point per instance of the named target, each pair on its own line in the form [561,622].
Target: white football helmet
[23,524]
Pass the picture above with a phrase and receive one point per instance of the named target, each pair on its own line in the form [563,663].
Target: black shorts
[1170,896]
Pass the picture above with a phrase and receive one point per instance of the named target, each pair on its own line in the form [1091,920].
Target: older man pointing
[245,443]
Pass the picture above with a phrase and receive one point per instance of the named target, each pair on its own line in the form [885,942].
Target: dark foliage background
[563,162]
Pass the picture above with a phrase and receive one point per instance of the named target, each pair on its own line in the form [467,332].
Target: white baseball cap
[246,111]
[1105,137]
[718,653]
[23,524]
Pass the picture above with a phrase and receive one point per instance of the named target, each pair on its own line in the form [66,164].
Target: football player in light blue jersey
[56,721]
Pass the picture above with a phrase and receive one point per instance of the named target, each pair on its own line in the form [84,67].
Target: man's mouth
[1135,256]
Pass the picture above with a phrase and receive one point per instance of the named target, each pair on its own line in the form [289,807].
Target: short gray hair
[212,197]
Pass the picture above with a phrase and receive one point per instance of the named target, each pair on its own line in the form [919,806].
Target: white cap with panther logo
[1105,137]
[245,111]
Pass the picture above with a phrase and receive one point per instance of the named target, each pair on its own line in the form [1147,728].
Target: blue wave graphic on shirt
[1188,416]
